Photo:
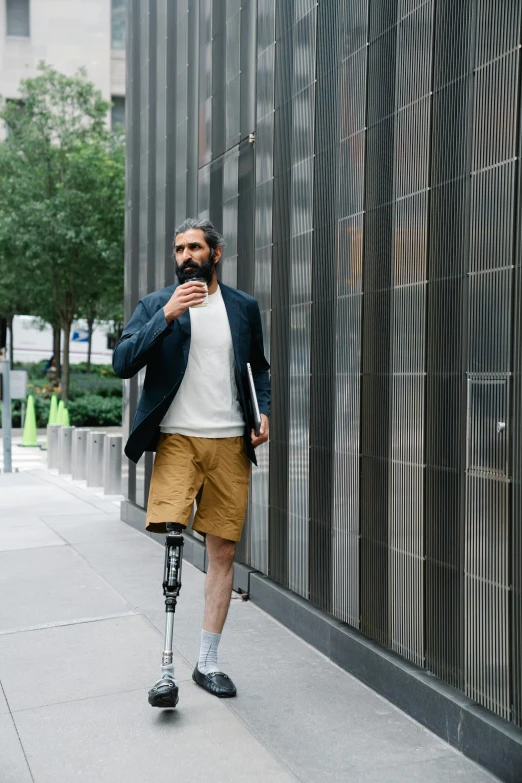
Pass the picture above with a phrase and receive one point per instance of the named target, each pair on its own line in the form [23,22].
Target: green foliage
[95,400]
[95,410]
[101,370]
[88,385]
[61,205]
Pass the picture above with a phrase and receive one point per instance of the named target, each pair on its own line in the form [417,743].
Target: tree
[65,204]
[104,210]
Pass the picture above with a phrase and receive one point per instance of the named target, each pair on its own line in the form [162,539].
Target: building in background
[32,343]
[362,161]
[66,34]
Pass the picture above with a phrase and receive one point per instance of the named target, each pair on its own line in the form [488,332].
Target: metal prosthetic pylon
[165,691]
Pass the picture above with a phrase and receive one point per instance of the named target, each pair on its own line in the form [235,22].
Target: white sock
[167,672]
[208,652]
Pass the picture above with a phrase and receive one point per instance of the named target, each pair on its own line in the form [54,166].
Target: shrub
[95,410]
[99,370]
[104,387]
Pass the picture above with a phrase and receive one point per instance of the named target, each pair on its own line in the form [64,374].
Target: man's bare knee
[220,551]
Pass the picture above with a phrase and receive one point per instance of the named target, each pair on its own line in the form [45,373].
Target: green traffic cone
[53,411]
[59,415]
[29,434]
[65,418]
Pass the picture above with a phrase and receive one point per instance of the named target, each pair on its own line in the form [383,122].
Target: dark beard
[188,270]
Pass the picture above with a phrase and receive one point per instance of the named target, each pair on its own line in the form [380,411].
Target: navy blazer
[149,341]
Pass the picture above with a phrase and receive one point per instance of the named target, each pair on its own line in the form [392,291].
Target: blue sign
[80,336]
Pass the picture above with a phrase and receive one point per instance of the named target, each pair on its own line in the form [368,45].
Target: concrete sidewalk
[81,635]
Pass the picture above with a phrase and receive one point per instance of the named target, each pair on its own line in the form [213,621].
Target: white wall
[32,344]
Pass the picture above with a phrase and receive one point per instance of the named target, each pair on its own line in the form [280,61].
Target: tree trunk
[56,350]
[11,344]
[66,370]
[90,326]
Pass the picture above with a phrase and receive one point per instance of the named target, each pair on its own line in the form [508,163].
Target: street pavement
[81,635]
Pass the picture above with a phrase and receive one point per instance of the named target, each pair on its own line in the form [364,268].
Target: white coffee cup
[205,302]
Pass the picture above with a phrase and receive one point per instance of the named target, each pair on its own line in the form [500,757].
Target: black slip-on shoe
[164,694]
[216,683]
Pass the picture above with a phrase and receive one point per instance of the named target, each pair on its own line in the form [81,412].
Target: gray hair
[212,236]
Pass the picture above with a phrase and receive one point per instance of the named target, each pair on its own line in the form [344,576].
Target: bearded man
[195,339]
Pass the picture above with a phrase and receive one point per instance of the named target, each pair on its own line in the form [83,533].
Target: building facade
[362,159]
[67,34]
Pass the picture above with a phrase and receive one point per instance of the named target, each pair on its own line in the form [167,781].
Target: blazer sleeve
[258,362]
[138,338]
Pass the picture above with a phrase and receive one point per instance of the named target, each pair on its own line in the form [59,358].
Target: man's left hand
[257,440]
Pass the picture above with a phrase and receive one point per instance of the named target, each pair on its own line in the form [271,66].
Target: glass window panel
[17,17]
[118,14]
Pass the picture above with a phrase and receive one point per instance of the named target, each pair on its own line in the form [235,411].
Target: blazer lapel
[233,312]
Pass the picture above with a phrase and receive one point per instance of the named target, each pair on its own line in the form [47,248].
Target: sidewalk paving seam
[79,699]
[63,623]
[17,733]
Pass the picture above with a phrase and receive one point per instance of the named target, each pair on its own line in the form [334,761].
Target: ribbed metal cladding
[377,334]
[183,133]
[280,287]
[375,216]
[324,302]
[515,441]
[447,329]
[487,589]
[408,329]
[264,170]
[349,191]
[303,32]
[132,211]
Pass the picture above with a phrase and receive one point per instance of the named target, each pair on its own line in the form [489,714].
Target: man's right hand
[185,296]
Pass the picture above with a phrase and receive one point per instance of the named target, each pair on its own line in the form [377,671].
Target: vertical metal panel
[230,217]
[488,582]
[132,185]
[515,452]
[351,186]
[280,287]
[173,110]
[446,342]
[376,329]
[144,147]
[301,221]
[182,110]
[247,120]
[160,180]
[204,54]
[264,172]
[408,319]
[324,299]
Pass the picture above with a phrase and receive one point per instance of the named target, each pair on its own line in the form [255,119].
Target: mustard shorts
[215,472]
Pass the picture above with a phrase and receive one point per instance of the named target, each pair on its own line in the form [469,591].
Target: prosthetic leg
[165,692]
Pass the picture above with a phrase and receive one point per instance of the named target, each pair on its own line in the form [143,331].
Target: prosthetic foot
[165,692]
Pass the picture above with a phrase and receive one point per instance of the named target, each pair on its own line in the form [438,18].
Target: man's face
[194,257]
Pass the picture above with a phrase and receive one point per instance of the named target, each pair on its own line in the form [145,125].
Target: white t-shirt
[206,404]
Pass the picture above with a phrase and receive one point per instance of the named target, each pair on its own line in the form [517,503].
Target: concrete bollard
[65,438]
[53,445]
[112,468]
[95,444]
[79,453]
